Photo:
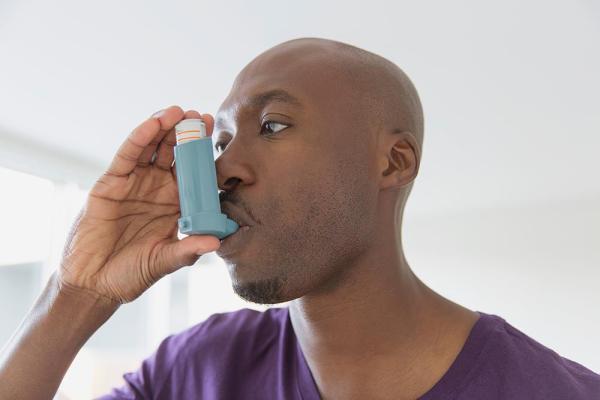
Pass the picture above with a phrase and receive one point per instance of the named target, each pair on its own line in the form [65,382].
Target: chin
[265,291]
[263,278]
[257,283]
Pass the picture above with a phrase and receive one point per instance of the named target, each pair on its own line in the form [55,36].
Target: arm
[37,357]
[122,242]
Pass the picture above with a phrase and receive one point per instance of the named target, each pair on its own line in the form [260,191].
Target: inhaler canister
[197,183]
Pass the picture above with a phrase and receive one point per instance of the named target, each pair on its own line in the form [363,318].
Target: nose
[233,169]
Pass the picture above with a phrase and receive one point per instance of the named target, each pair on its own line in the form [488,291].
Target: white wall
[537,266]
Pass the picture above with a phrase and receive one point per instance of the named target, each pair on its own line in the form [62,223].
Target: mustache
[234,198]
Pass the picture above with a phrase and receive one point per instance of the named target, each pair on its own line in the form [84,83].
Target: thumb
[184,252]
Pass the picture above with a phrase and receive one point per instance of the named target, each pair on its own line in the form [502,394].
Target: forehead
[303,82]
[257,99]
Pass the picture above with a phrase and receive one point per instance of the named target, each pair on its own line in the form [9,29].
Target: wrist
[82,297]
[76,312]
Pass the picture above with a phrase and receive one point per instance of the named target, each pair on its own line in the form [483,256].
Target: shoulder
[206,357]
[524,368]
[227,332]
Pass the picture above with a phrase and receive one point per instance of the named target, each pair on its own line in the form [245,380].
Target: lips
[232,245]
[237,214]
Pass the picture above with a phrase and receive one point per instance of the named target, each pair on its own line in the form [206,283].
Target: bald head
[389,98]
[313,135]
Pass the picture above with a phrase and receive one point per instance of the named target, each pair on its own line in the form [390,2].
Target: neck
[378,316]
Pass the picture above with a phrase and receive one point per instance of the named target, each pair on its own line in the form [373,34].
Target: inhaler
[197,182]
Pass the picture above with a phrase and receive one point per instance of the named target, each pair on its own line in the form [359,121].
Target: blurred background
[504,217]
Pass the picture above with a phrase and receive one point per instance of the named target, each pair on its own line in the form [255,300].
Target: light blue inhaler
[197,181]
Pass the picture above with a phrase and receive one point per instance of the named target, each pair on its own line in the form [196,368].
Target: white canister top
[188,130]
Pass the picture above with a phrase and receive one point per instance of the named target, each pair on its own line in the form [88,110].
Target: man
[320,143]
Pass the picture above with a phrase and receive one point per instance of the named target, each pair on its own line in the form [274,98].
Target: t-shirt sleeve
[149,380]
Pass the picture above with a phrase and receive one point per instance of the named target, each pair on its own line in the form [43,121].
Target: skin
[322,181]
[123,241]
[367,325]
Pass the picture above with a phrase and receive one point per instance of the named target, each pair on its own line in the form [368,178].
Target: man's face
[293,158]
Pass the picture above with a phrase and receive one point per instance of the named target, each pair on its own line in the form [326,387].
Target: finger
[209,121]
[148,153]
[168,122]
[184,252]
[192,114]
[165,117]
[164,153]
[174,172]
[130,151]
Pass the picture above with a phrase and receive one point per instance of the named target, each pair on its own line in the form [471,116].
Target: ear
[399,159]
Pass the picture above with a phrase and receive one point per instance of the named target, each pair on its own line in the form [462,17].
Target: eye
[268,128]
[272,127]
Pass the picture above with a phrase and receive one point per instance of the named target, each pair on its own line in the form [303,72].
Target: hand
[125,237]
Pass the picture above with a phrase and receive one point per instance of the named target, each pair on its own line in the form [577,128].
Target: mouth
[241,224]
[237,214]
[232,243]
[241,229]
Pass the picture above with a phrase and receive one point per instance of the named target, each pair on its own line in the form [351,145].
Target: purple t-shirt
[249,354]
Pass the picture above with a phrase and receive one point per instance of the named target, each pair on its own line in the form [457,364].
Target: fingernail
[158,114]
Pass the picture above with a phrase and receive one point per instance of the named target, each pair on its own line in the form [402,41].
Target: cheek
[325,205]
[317,197]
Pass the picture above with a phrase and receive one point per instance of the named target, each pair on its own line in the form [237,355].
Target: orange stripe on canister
[189,130]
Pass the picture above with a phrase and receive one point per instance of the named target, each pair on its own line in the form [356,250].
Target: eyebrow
[278,95]
[260,100]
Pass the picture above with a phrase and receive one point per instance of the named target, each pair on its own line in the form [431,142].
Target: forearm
[34,362]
